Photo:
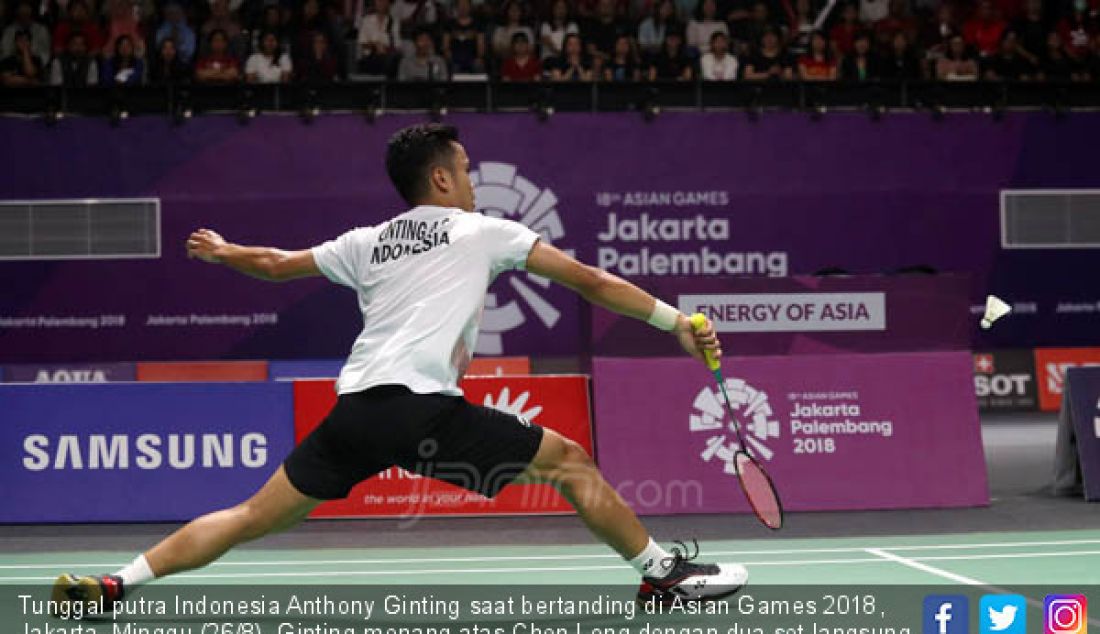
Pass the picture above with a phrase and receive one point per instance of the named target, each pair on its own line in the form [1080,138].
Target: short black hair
[412,153]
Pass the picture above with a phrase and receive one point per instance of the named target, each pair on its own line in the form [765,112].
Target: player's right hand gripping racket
[755,482]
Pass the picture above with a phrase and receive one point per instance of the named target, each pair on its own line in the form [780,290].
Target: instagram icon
[1065,614]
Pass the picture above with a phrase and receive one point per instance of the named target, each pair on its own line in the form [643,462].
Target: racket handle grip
[699,320]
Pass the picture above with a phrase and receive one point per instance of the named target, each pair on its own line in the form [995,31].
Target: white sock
[136,573]
[651,562]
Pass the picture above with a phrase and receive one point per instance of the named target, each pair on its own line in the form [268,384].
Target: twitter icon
[1002,614]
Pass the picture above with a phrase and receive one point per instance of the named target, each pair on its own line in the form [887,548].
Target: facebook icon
[946,614]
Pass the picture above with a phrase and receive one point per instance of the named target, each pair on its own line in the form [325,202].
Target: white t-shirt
[265,70]
[421,280]
[714,69]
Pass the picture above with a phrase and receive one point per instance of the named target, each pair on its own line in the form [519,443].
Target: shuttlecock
[995,308]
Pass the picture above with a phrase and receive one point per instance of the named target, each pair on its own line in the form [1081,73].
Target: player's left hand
[204,245]
[694,342]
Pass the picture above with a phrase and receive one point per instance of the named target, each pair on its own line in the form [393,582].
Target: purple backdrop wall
[837,432]
[706,194]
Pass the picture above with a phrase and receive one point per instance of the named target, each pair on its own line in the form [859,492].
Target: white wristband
[663,316]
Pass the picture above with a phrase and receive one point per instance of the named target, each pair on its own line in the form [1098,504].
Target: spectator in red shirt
[124,22]
[78,22]
[818,63]
[844,32]
[218,67]
[1009,9]
[1077,30]
[985,30]
[522,64]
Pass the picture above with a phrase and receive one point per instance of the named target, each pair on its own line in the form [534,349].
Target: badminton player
[421,280]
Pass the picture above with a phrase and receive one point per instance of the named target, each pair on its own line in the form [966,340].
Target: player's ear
[441,179]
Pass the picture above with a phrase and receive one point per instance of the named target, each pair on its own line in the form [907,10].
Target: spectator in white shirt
[412,17]
[424,64]
[378,40]
[269,65]
[719,64]
[701,29]
[38,34]
[652,30]
[513,23]
[871,11]
[552,33]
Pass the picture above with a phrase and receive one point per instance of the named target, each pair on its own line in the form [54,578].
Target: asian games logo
[501,192]
[753,411]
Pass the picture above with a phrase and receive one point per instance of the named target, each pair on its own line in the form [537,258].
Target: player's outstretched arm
[265,263]
[616,294]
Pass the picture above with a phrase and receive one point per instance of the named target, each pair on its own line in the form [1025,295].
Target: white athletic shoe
[690,581]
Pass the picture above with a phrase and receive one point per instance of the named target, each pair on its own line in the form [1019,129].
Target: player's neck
[438,201]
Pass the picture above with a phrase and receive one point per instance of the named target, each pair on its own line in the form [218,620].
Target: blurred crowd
[85,42]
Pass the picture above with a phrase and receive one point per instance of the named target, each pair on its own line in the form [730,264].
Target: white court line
[500,558]
[1063,553]
[879,556]
[878,552]
[905,561]
[496,571]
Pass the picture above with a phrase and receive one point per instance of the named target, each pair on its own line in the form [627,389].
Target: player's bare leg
[275,507]
[566,466]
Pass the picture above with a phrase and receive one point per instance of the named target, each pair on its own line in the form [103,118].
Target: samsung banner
[137,452]
[836,432]
[690,195]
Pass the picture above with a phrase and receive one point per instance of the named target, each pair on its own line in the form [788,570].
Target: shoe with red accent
[689,581]
[79,596]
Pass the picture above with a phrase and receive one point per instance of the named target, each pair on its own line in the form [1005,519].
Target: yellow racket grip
[699,320]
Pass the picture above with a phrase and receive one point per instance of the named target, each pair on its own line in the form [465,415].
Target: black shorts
[439,436]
